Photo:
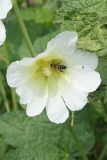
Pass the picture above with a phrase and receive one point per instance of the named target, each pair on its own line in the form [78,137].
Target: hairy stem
[23,28]
[2,88]
[13,94]
[72,120]
[14,100]
[78,143]
[103,153]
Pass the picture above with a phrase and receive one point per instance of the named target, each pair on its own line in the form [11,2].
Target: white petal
[37,104]
[53,83]
[5,6]
[2,33]
[56,109]
[85,79]
[32,92]
[27,61]
[18,72]
[19,75]
[84,58]
[63,43]
[74,99]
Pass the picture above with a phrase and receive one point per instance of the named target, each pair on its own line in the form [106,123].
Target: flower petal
[56,109]
[18,72]
[2,33]
[37,104]
[5,6]
[32,92]
[84,58]
[63,43]
[85,79]
[19,75]
[74,99]
[29,90]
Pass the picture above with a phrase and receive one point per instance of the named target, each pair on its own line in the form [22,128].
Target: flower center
[49,65]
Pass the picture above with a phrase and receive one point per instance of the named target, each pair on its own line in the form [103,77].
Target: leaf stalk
[78,143]
[23,28]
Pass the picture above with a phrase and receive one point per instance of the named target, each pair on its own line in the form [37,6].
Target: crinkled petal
[84,58]
[74,98]
[18,72]
[19,75]
[37,104]
[5,7]
[56,109]
[53,83]
[30,89]
[63,43]
[2,33]
[85,79]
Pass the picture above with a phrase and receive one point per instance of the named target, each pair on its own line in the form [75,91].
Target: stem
[4,94]
[14,100]
[23,28]
[103,153]
[72,120]
[78,143]
[13,94]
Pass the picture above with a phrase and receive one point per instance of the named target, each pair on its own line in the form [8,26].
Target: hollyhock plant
[59,79]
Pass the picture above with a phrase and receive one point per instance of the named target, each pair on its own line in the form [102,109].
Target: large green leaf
[38,139]
[103,69]
[2,148]
[89,19]
[38,15]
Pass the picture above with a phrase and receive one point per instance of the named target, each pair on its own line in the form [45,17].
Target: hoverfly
[58,66]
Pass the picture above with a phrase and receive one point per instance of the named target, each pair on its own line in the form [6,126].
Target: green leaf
[102,68]
[89,19]
[2,148]
[38,15]
[38,138]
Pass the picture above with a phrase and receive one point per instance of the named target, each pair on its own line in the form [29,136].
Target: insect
[58,66]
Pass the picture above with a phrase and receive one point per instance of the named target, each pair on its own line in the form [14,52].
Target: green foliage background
[23,138]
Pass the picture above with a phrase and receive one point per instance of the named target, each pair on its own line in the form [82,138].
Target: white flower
[5,6]
[59,79]
[2,33]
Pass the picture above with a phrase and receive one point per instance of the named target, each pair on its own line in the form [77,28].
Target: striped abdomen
[59,67]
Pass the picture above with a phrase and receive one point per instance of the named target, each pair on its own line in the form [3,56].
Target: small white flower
[5,7]
[2,33]
[59,79]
